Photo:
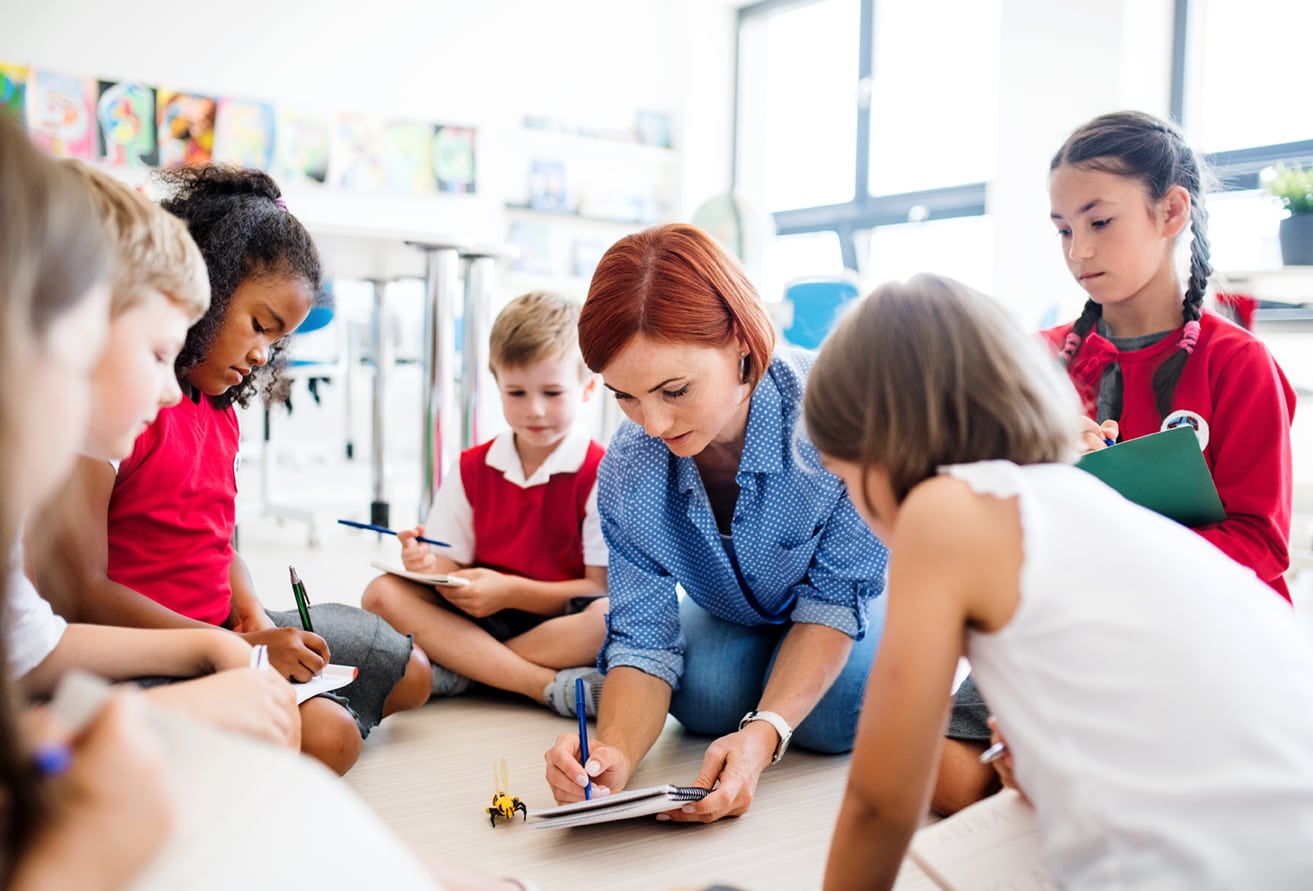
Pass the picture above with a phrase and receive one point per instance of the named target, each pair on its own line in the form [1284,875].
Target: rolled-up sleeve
[642,626]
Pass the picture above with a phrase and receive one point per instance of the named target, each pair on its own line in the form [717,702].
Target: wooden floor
[429,774]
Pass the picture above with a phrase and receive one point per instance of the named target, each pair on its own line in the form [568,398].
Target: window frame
[864,211]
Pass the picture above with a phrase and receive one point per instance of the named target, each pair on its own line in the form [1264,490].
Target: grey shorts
[970,717]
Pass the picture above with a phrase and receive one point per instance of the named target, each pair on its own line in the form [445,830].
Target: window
[860,114]
[934,94]
[797,104]
[1250,65]
[960,248]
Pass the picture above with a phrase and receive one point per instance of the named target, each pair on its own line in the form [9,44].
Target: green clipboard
[1164,472]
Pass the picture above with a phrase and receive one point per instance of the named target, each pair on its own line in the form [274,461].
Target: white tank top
[1156,696]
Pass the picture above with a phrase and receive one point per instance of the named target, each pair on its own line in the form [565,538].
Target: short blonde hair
[929,372]
[152,248]
[533,327]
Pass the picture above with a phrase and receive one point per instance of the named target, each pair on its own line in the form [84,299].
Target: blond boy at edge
[159,289]
[520,515]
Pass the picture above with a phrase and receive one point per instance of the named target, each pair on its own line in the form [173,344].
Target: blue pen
[386,531]
[583,735]
[1109,442]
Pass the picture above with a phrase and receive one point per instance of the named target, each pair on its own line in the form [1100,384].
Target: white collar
[567,457]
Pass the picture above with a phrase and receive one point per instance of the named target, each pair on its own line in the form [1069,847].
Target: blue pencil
[583,735]
[386,531]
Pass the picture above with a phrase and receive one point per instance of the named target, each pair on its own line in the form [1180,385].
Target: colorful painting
[127,135]
[406,150]
[302,148]
[357,156]
[244,133]
[453,158]
[186,128]
[13,89]
[61,114]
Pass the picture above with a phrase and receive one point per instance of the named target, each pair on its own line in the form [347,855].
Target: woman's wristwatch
[781,727]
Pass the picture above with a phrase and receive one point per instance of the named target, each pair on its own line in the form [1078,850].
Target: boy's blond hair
[152,248]
[533,327]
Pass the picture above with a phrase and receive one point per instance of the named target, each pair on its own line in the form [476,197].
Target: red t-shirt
[174,508]
[534,532]
[1241,405]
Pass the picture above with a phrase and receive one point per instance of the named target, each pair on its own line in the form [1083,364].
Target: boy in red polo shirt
[520,513]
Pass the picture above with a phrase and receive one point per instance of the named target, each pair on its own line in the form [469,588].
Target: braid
[1201,268]
[1090,314]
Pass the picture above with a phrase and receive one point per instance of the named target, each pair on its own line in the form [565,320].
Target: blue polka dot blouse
[803,553]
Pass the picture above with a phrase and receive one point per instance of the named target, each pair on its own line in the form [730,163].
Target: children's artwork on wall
[302,147]
[186,128]
[407,147]
[454,158]
[127,135]
[13,89]
[547,186]
[356,160]
[244,133]
[61,117]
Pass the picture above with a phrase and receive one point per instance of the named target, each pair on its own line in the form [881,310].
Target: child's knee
[380,595]
[415,685]
[330,734]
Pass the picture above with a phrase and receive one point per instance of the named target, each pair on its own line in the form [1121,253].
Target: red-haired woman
[707,488]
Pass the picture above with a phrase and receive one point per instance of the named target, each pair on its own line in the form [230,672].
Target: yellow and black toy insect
[504,804]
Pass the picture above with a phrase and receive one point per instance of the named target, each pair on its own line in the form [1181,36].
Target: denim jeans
[726,666]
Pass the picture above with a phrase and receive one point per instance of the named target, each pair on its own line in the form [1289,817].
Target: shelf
[583,218]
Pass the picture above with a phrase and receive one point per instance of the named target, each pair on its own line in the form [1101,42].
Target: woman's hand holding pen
[415,555]
[1097,436]
[295,654]
[607,767]
[732,766]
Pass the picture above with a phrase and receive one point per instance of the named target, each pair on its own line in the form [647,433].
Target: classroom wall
[485,64]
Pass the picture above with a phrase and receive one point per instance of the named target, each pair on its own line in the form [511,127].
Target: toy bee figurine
[504,804]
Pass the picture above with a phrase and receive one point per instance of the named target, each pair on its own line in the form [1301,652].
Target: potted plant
[1293,186]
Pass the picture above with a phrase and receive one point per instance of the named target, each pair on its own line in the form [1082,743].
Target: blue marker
[583,735]
[1109,442]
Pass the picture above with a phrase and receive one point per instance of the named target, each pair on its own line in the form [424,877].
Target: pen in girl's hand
[386,531]
[993,753]
[1109,442]
[302,601]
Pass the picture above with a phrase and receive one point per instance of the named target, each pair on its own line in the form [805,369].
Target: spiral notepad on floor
[618,806]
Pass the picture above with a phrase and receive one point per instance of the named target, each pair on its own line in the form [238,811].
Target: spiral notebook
[617,806]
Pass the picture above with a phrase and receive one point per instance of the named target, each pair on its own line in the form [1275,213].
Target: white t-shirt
[451,519]
[32,630]
[1156,696]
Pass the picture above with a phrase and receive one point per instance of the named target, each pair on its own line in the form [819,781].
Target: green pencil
[302,601]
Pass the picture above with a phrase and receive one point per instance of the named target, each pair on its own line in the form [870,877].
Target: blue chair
[816,305]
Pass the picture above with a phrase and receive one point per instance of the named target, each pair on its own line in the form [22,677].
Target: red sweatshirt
[1241,405]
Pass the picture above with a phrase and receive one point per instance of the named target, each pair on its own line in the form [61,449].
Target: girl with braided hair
[1146,356]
